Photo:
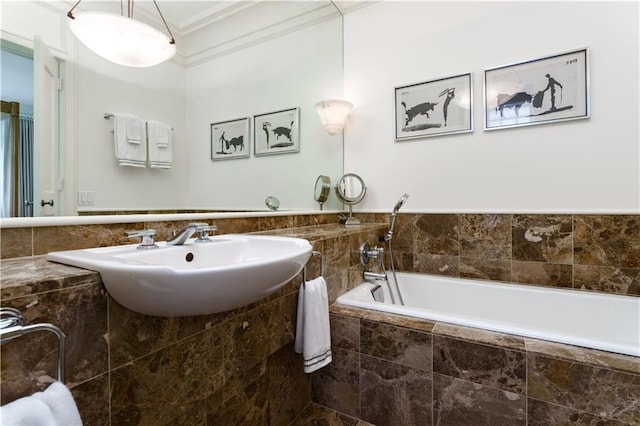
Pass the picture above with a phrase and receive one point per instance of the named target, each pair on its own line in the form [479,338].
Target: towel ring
[304,271]
[12,325]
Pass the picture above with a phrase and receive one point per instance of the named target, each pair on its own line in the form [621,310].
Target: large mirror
[225,70]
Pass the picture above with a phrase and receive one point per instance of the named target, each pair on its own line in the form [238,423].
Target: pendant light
[122,39]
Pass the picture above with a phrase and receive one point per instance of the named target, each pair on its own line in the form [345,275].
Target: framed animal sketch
[538,91]
[276,132]
[230,139]
[434,108]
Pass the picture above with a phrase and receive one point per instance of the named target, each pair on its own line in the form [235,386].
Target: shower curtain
[6,159]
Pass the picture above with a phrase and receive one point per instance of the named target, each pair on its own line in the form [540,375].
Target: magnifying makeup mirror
[272,202]
[350,189]
[322,189]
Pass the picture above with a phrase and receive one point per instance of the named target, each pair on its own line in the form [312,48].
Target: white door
[46,132]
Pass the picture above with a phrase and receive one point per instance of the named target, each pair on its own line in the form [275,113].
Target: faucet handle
[203,232]
[148,240]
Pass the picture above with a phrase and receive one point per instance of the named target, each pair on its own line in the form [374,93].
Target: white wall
[580,166]
[155,93]
[295,70]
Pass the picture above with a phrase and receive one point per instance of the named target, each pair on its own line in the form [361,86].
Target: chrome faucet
[185,233]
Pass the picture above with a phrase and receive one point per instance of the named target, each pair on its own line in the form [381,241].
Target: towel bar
[12,325]
[109,116]
[304,271]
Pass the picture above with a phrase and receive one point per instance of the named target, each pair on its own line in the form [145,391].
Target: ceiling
[185,16]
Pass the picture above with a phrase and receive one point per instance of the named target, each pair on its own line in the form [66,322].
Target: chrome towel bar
[12,325]
[304,271]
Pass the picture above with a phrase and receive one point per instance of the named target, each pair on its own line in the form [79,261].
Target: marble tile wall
[587,252]
[390,370]
[237,367]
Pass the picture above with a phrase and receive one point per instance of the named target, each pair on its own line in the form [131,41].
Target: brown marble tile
[403,261]
[169,386]
[543,238]
[248,405]
[337,285]
[92,400]
[436,234]
[337,385]
[485,236]
[250,338]
[133,335]
[317,415]
[29,363]
[498,368]
[458,402]
[400,345]
[478,335]
[345,332]
[485,269]
[607,279]
[403,233]
[437,264]
[16,242]
[55,238]
[394,394]
[289,387]
[337,255]
[541,273]
[543,414]
[595,390]
[384,317]
[593,357]
[275,222]
[236,226]
[607,240]
[32,275]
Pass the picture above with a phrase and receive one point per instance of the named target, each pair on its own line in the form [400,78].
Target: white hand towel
[55,406]
[160,145]
[130,140]
[313,334]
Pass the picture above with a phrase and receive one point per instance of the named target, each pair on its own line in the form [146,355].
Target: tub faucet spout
[185,233]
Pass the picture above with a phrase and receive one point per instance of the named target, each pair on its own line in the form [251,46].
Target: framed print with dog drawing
[538,91]
[230,139]
[434,108]
[276,132]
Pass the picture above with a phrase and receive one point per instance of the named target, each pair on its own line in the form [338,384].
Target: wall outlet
[86,198]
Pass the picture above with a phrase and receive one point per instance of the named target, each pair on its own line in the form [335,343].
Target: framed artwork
[276,132]
[434,108]
[230,139]
[538,91]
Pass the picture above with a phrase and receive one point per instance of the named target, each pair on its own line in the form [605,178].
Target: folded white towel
[130,140]
[160,144]
[55,406]
[313,334]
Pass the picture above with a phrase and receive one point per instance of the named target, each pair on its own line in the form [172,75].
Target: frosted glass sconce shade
[333,114]
[122,40]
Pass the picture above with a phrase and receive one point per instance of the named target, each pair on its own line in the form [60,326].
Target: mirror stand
[351,190]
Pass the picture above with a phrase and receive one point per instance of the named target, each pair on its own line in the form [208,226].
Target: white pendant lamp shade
[122,40]
[333,114]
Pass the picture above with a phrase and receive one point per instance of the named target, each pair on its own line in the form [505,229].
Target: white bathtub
[593,320]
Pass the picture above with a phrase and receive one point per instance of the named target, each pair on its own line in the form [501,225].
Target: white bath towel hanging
[313,333]
[53,407]
[130,137]
[160,145]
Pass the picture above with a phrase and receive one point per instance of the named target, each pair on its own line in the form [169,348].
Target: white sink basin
[195,278]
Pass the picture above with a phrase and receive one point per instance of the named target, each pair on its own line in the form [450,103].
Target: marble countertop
[24,276]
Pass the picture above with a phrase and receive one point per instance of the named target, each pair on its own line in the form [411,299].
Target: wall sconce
[333,114]
[121,39]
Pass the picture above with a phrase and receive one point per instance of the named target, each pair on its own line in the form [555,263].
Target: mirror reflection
[322,190]
[208,82]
